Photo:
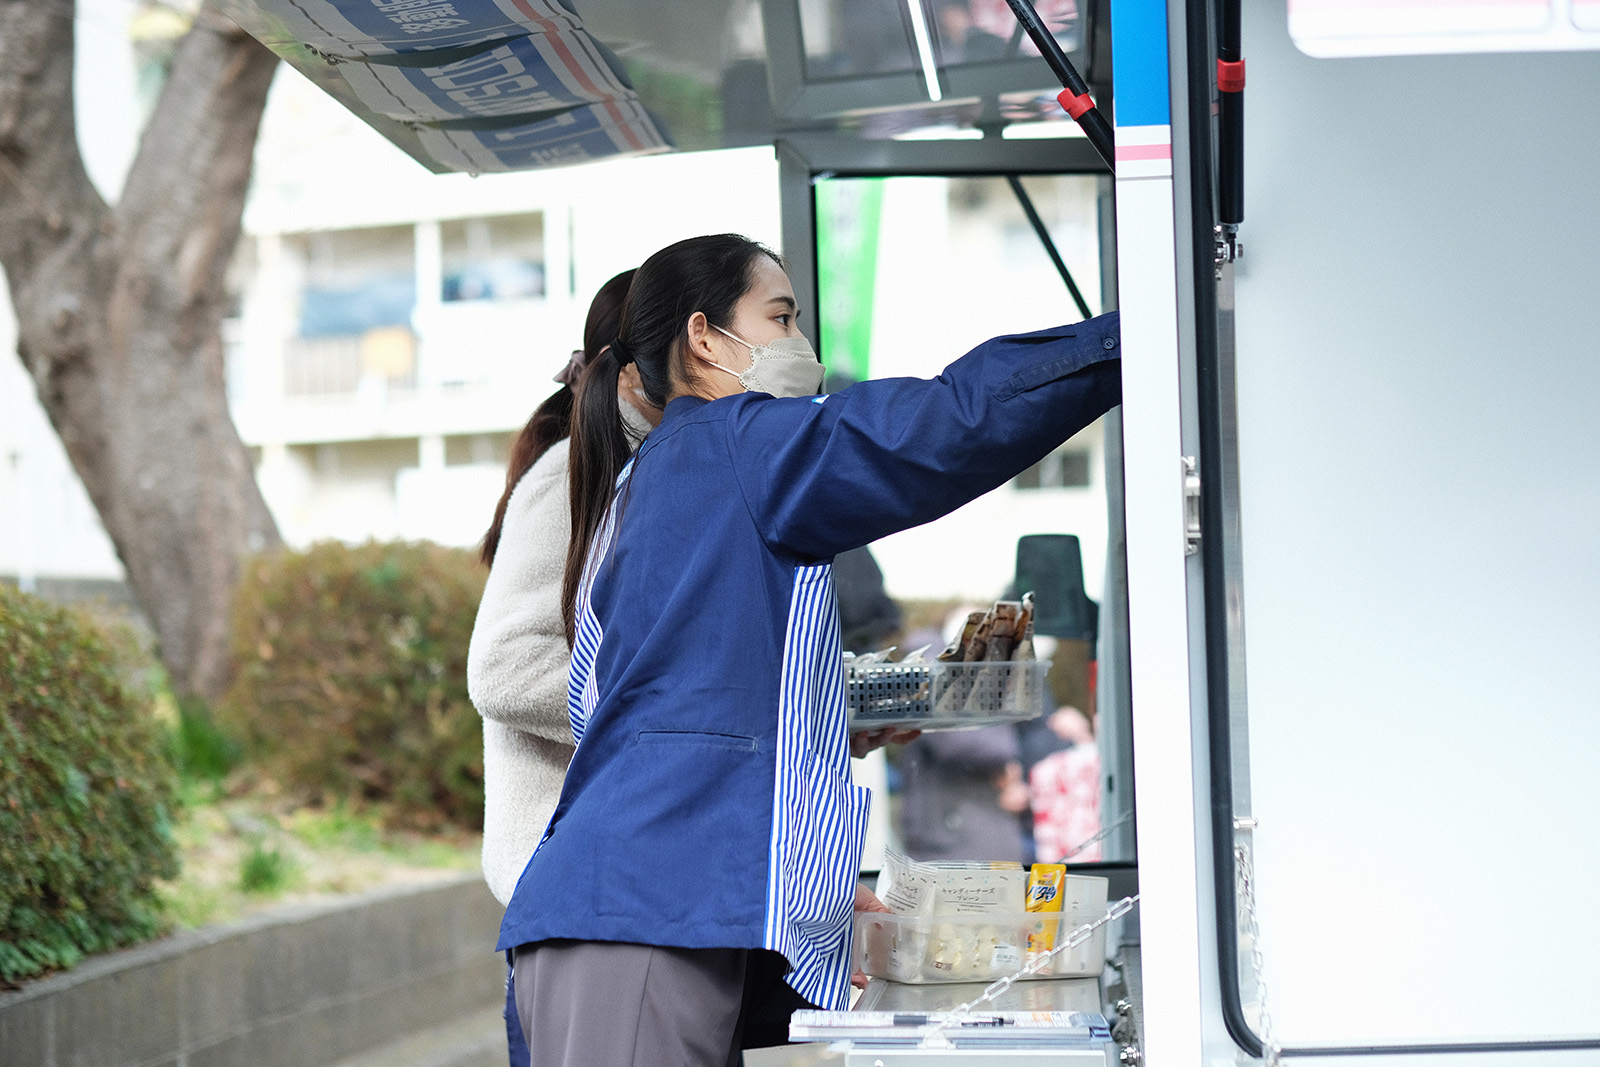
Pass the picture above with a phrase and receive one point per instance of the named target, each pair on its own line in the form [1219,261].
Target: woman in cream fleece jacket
[517,661]
[517,672]
[517,667]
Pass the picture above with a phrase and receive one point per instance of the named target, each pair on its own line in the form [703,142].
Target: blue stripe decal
[819,817]
[1139,63]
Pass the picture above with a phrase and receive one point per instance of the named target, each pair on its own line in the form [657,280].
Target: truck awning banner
[594,132]
[468,85]
[523,76]
[364,28]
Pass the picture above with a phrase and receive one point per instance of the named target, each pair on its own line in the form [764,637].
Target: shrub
[86,793]
[264,870]
[350,677]
[203,753]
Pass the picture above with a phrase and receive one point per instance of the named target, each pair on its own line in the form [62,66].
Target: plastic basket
[945,696]
[974,948]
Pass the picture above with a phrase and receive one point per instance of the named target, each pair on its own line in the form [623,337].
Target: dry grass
[247,854]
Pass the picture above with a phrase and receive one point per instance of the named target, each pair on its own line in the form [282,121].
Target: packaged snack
[969,952]
[978,888]
[1019,692]
[1046,883]
[957,650]
[950,951]
[1024,649]
[968,648]
[905,889]
[1003,633]
[976,921]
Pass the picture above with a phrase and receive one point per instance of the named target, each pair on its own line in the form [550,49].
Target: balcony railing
[337,366]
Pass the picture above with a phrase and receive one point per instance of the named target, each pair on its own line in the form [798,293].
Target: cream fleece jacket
[517,672]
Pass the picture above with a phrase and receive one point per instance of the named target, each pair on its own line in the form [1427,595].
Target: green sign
[848,213]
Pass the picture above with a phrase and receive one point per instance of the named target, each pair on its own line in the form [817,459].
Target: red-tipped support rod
[1230,118]
[1075,95]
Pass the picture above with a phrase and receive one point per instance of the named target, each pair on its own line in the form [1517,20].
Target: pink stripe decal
[1143,151]
[1386,6]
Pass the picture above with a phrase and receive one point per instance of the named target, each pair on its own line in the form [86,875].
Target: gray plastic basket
[945,696]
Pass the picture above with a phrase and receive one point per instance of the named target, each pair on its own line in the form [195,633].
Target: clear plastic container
[1055,994]
[945,696]
[974,948]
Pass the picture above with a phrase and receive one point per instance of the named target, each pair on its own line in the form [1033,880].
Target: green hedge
[350,668]
[87,789]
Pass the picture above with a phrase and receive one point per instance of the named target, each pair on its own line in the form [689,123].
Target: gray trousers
[607,1004]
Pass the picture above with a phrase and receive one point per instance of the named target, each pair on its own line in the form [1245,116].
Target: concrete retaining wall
[303,987]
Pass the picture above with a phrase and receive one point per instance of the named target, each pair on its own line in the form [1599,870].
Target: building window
[356,280]
[498,258]
[1061,469]
[355,311]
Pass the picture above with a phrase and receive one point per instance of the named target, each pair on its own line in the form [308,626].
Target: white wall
[48,527]
[1418,376]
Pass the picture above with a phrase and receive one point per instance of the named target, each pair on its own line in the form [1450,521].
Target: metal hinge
[1226,247]
[1191,506]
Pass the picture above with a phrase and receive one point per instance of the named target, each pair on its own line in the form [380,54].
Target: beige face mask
[785,367]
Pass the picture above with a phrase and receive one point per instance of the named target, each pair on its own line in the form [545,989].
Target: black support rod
[1049,242]
[1230,117]
[1076,97]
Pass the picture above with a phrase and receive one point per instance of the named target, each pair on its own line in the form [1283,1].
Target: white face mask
[784,367]
[633,415]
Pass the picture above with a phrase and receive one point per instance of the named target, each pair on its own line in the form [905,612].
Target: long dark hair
[705,274]
[552,420]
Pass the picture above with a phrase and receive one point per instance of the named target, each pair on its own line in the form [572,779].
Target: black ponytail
[552,420]
[705,274]
[599,450]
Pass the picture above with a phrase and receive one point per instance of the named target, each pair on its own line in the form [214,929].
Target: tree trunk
[119,312]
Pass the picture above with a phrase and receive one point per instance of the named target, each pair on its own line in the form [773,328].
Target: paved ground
[480,1041]
[790,1056]
[475,1041]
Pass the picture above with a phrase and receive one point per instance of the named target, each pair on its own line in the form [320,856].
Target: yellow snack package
[1045,884]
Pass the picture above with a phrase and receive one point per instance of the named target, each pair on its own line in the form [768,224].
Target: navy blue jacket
[709,803]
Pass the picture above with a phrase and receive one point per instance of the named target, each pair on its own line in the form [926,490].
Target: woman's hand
[866,900]
[1013,789]
[867,740]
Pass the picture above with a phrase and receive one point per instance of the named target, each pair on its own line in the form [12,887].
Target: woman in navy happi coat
[709,804]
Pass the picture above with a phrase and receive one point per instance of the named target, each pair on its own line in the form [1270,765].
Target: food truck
[1348,646]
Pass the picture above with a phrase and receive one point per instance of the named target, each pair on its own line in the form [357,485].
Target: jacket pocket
[737,742]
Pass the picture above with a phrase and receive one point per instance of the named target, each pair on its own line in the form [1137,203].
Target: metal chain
[1101,836]
[1272,1053]
[933,1038]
